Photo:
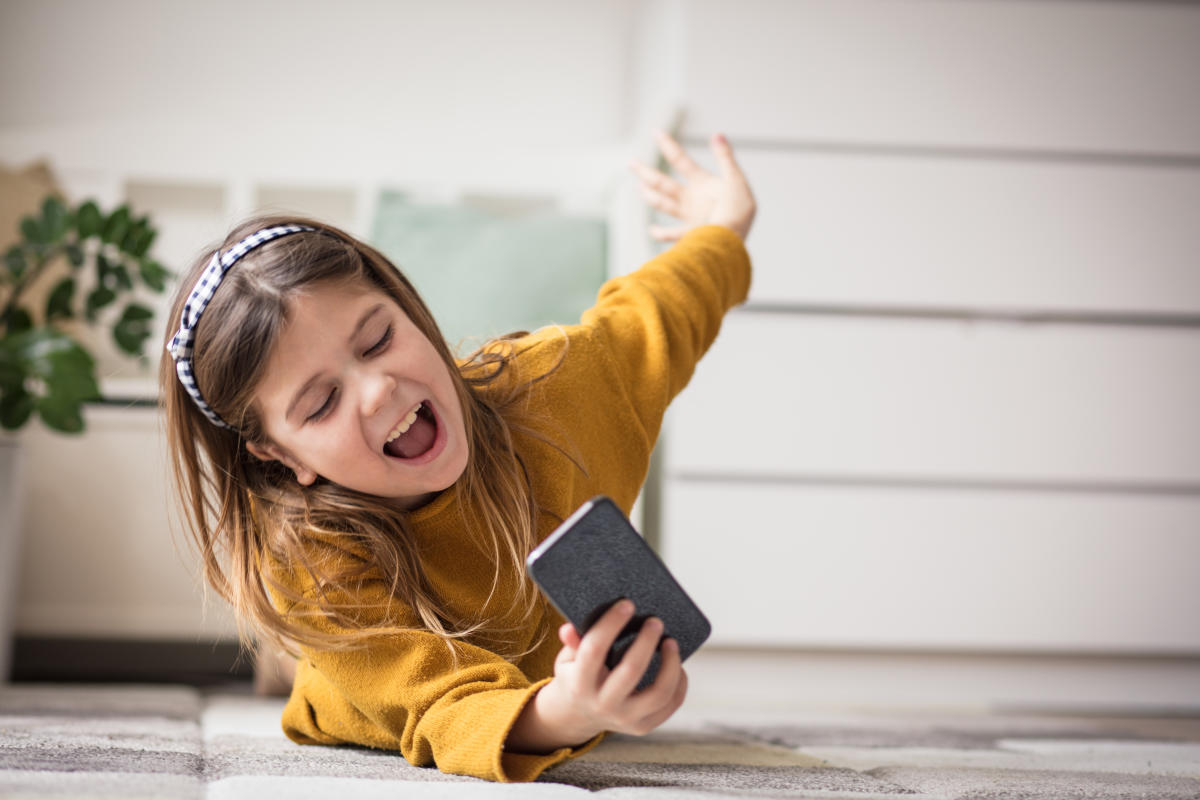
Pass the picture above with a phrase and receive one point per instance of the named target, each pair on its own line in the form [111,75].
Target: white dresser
[960,410]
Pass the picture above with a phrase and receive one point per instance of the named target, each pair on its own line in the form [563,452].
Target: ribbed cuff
[524,767]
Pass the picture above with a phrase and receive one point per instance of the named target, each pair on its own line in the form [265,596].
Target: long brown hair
[239,509]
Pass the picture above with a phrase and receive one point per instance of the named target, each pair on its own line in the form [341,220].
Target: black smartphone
[594,559]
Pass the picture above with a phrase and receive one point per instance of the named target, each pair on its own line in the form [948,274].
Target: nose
[378,388]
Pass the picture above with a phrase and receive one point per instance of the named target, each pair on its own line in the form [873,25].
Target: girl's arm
[656,324]
[659,320]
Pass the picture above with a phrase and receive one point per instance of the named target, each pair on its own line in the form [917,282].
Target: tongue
[415,441]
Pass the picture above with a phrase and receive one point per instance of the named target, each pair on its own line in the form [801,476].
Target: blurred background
[947,454]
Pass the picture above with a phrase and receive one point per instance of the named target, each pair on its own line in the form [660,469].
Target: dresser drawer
[785,395]
[1099,77]
[929,233]
[926,568]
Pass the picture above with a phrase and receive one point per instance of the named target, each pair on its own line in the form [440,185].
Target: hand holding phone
[586,697]
[596,558]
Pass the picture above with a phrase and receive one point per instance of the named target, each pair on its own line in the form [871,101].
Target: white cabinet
[104,554]
[959,410]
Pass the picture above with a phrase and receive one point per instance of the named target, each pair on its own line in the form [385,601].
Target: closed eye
[378,347]
[324,409]
[382,343]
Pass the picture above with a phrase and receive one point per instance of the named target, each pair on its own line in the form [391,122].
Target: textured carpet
[178,742]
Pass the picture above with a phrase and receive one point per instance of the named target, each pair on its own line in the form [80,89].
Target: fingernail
[721,139]
[627,606]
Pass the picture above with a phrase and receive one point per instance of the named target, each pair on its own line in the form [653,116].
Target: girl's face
[355,393]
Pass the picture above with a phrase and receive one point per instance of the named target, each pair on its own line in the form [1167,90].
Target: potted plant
[42,368]
[91,263]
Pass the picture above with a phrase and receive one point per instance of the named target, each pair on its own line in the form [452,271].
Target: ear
[271,452]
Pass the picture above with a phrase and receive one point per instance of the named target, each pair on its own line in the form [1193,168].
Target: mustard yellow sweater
[629,356]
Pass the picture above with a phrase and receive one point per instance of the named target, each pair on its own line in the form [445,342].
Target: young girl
[366,501]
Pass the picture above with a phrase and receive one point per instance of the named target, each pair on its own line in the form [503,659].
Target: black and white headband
[181,346]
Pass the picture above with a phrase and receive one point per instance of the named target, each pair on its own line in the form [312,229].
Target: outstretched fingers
[665,204]
[677,157]
[725,160]
[653,179]
[660,191]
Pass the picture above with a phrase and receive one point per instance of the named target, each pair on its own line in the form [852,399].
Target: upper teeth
[405,424]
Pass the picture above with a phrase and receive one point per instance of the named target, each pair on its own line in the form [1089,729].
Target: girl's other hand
[585,697]
[704,198]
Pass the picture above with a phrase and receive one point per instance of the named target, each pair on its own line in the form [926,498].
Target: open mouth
[414,435]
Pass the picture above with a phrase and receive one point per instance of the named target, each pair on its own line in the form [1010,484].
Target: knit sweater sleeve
[659,320]
[404,691]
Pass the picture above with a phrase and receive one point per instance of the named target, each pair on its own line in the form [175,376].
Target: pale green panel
[486,271]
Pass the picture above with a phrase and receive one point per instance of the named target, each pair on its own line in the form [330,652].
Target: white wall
[357,88]
[966,381]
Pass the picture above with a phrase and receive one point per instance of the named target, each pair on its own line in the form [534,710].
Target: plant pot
[12,501]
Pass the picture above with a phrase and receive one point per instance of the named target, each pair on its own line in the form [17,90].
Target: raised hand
[702,198]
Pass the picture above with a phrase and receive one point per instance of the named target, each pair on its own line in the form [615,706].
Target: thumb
[724,153]
[569,636]
[570,648]
[667,234]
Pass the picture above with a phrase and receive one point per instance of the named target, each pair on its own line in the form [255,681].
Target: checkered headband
[181,345]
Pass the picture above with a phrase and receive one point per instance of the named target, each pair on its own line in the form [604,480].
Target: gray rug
[180,742]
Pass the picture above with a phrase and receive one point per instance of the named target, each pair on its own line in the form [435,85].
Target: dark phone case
[593,560]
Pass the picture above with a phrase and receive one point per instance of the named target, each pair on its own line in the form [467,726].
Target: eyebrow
[362,322]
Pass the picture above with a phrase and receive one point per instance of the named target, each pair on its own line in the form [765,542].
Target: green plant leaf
[18,321]
[153,274]
[103,270]
[121,275]
[63,414]
[14,261]
[15,407]
[137,238]
[56,220]
[132,236]
[146,237]
[41,347]
[59,304]
[133,328]
[31,229]
[138,312]
[71,378]
[116,226]
[97,299]
[75,254]
[88,219]
[66,369]
[12,373]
